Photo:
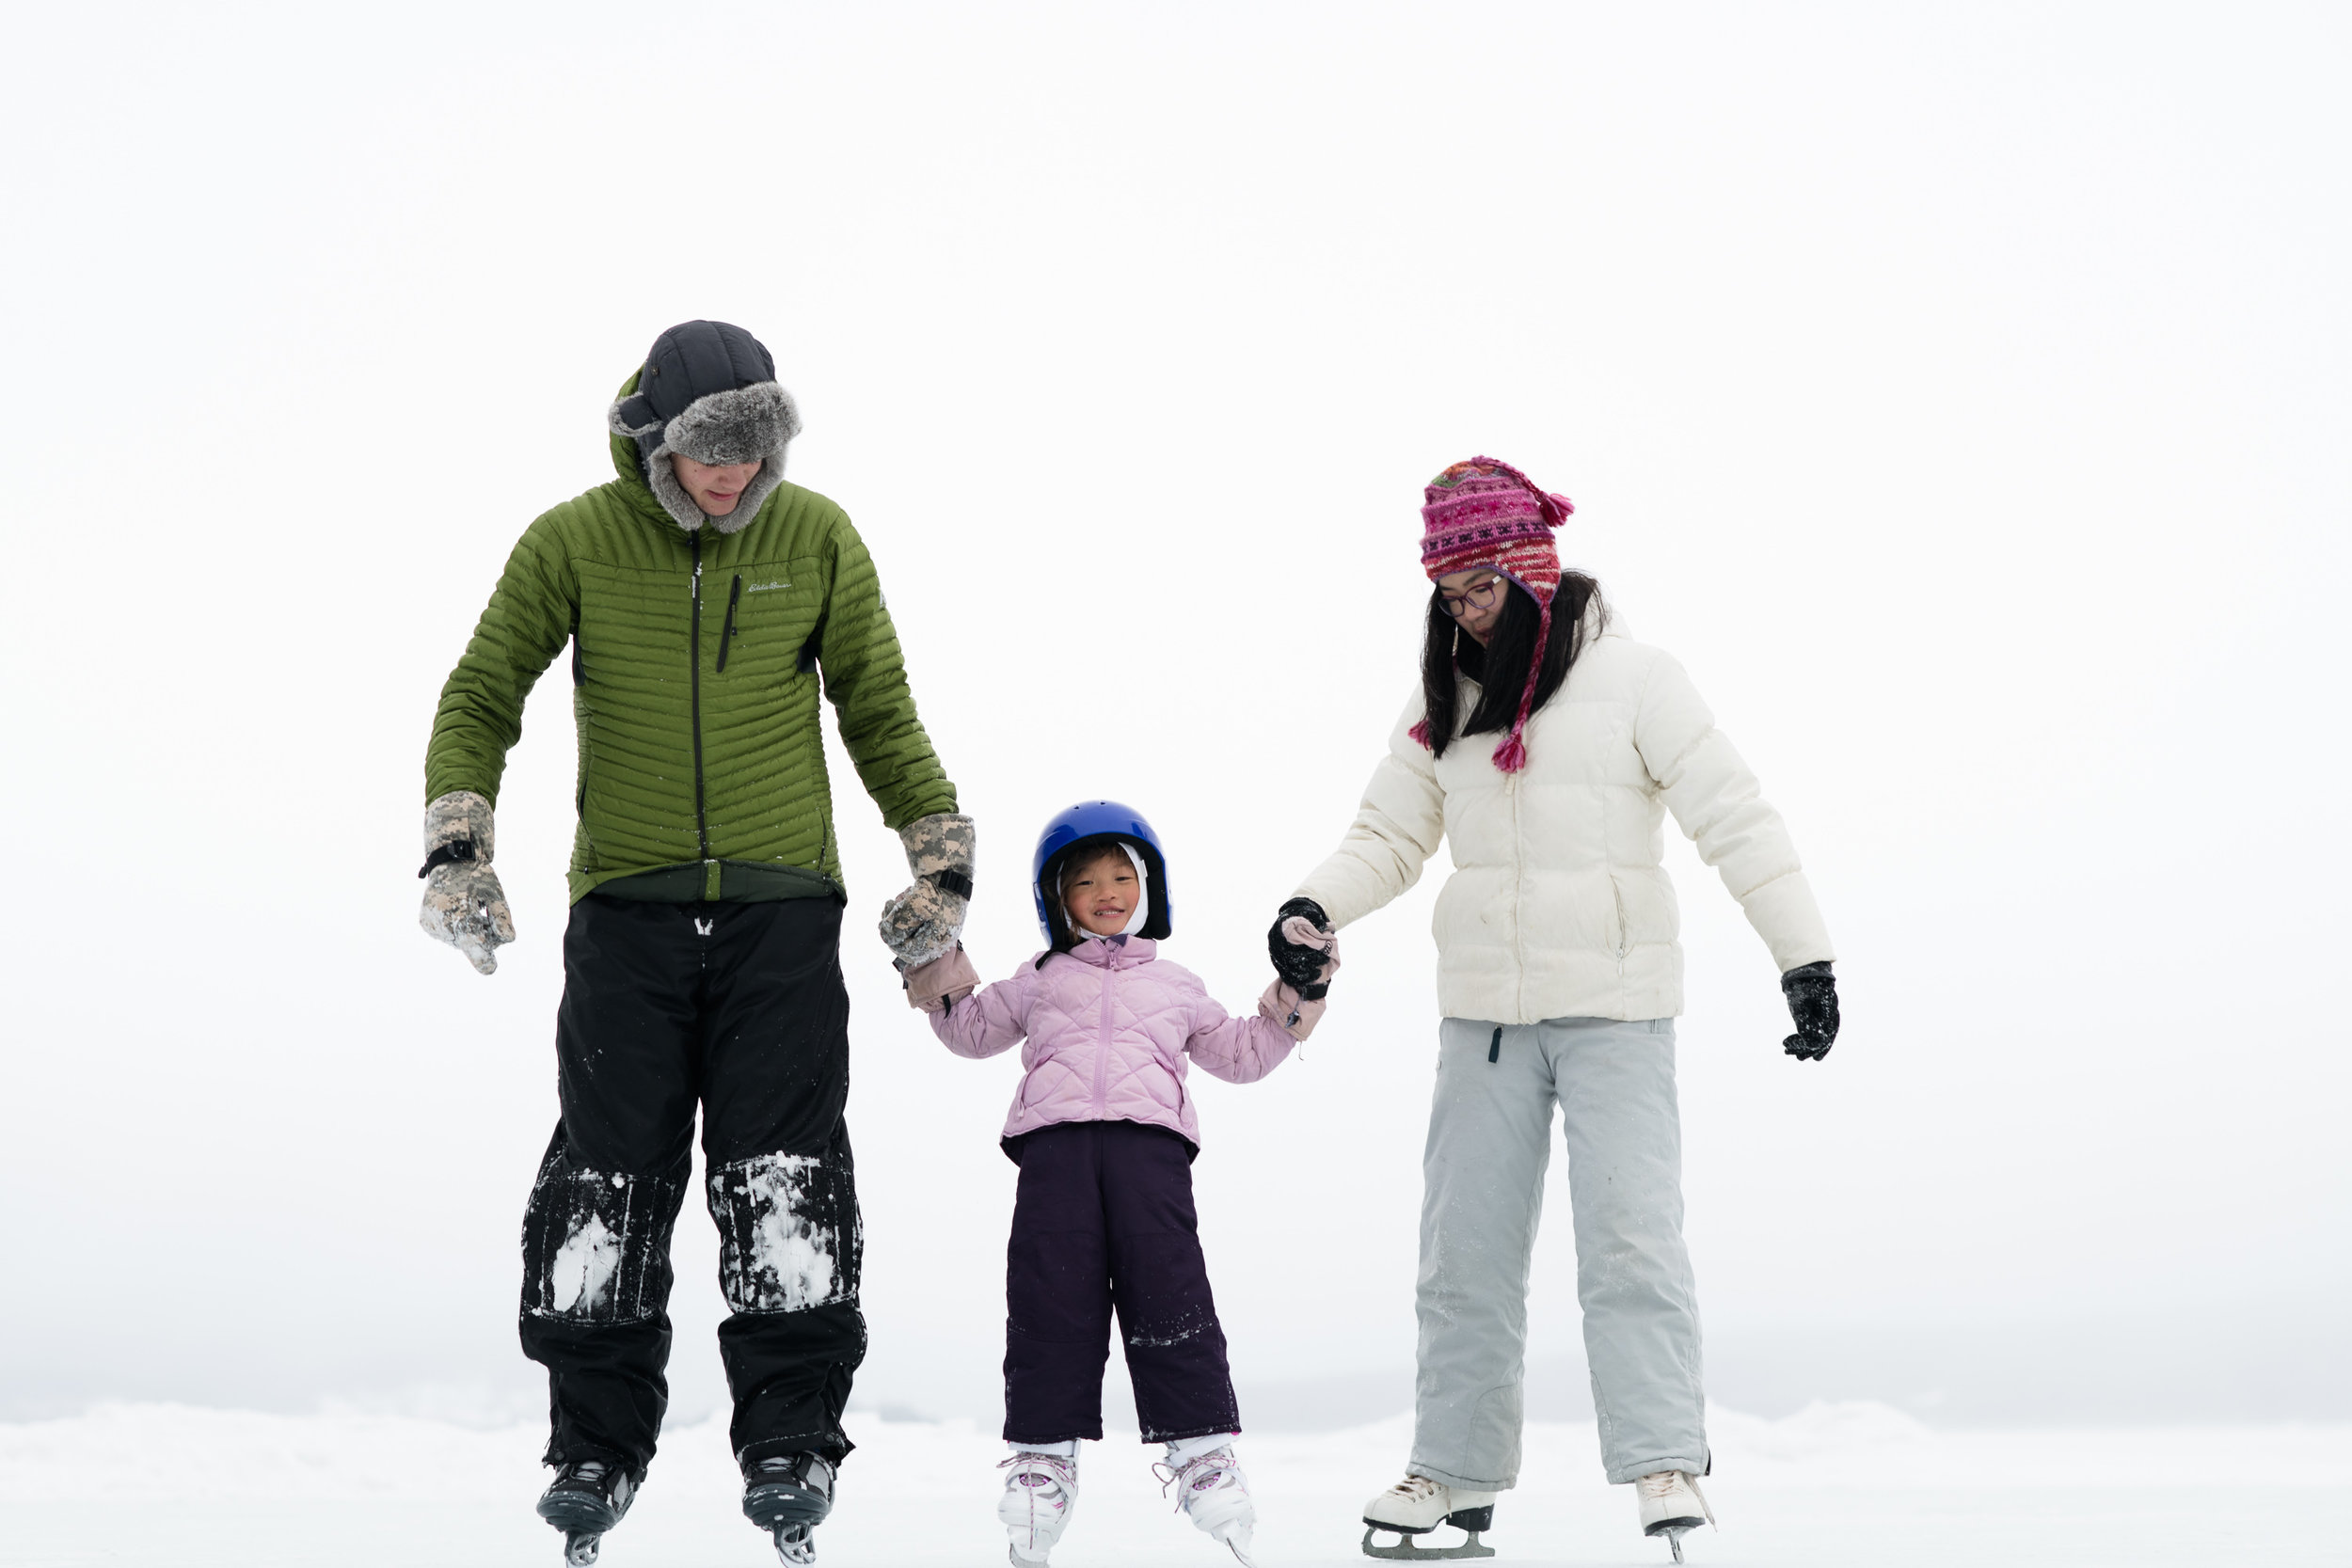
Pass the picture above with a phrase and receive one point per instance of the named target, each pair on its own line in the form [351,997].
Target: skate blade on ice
[1406,1551]
[1673,1530]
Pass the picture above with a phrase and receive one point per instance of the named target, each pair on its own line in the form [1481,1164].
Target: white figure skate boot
[1210,1490]
[1671,1505]
[1041,1493]
[1417,1505]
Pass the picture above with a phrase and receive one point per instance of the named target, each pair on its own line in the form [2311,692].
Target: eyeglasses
[1480,596]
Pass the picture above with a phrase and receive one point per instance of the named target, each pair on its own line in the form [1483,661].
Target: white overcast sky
[1960,391]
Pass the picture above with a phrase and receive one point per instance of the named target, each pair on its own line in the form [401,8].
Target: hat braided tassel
[1512,754]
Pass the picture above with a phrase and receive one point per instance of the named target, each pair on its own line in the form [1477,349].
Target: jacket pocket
[728,632]
[1625,930]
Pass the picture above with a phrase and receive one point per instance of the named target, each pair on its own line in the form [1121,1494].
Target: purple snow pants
[1104,1219]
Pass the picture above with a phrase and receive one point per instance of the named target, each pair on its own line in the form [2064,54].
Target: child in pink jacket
[1104,1132]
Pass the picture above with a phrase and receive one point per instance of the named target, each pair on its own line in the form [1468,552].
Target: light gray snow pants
[1490,1142]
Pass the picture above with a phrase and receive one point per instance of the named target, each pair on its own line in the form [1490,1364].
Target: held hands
[937,986]
[923,924]
[1812,993]
[464,905]
[1298,951]
[1306,954]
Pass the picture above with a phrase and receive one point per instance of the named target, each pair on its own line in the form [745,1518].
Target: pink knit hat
[1487,513]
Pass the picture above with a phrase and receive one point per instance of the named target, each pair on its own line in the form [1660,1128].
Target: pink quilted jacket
[1107,1030]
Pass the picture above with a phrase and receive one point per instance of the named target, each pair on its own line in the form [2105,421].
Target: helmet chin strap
[1136,918]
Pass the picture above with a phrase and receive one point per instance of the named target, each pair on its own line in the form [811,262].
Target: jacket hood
[747,424]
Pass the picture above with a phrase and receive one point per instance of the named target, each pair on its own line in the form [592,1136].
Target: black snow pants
[1105,1218]
[741,1009]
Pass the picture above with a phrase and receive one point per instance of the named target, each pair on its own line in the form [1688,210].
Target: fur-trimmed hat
[708,392]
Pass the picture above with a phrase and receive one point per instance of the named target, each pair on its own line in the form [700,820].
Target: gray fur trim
[751,423]
[742,426]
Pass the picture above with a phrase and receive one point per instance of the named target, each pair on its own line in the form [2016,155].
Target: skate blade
[796,1543]
[1404,1551]
[1012,1555]
[581,1548]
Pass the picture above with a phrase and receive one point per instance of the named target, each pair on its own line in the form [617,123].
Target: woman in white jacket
[1560,978]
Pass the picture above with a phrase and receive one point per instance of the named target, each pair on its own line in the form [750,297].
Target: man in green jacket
[706,601]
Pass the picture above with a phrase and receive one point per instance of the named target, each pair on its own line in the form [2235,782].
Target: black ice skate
[1417,1505]
[789,1495]
[587,1498]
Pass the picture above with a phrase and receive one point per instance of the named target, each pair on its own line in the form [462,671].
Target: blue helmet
[1099,820]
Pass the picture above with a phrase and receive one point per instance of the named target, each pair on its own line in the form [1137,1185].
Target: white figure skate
[1214,1494]
[1417,1505]
[1040,1493]
[1672,1505]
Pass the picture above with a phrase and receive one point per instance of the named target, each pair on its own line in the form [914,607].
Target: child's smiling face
[1102,893]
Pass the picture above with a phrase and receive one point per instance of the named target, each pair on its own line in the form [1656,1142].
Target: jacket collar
[1134,952]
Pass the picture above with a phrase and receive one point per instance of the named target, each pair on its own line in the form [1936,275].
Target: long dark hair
[1500,668]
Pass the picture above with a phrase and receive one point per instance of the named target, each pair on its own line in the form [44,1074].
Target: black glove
[1302,968]
[1812,993]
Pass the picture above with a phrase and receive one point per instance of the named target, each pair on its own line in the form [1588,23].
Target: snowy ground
[196,1488]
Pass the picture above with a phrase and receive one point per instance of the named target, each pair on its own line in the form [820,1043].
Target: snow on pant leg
[782,1187]
[1058,1292]
[1616,1084]
[596,1232]
[1160,1286]
[1482,1197]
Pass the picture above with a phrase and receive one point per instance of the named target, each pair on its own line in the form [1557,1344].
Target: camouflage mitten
[923,923]
[464,905]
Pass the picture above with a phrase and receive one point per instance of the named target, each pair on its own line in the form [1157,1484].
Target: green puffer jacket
[696,660]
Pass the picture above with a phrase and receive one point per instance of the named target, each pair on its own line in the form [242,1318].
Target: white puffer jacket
[1560,904]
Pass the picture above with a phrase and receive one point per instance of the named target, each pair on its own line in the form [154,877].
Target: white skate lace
[1657,1486]
[1414,1488]
[1181,1477]
[1063,1472]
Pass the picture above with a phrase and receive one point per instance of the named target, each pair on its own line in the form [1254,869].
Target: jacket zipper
[694,696]
[1519,890]
[579,678]
[727,638]
[1102,1046]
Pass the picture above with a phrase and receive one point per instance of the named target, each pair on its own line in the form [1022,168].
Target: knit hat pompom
[1483,513]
